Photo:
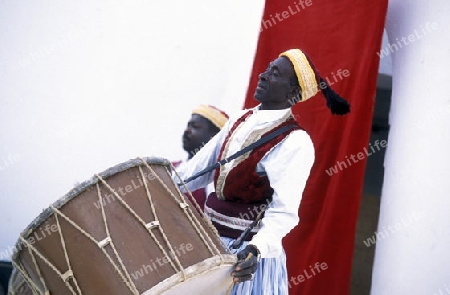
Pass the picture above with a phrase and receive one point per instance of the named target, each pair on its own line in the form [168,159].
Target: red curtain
[342,38]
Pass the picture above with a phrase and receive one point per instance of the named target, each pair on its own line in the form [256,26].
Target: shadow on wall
[364,252]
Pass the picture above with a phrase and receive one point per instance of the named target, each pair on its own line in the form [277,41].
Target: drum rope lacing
[31,250]
[189,214]
[109,241]
[34,288]
[90,237]
[152,224]
[205,217]
[142,222]
[69,273]
[38,270]
[207,220]
[18,283]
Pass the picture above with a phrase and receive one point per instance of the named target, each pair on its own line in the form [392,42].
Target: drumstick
[250,255]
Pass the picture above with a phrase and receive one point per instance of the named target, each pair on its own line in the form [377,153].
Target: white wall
[87,85]
[412,252]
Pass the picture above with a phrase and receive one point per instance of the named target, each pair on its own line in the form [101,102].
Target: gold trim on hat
[305,74]
[214,115]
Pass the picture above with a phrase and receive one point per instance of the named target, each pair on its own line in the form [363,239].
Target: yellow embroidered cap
[310,82]
[213,114]
[305,74]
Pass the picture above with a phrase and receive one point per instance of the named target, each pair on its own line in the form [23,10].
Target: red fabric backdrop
[337,35]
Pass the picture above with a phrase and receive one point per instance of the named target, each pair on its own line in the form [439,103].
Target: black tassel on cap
[337,104]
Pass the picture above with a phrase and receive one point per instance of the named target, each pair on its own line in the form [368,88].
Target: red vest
[244,192]
[243,184]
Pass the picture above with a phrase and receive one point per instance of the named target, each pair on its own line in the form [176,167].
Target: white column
[413,247]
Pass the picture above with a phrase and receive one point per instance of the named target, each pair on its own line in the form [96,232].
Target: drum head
[204,278]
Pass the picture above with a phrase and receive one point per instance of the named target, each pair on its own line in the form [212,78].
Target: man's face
[274,89]
[197,133]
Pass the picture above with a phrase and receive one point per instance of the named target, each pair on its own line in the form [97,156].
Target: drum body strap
[248,148]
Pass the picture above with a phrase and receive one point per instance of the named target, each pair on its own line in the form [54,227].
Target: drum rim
[192,271]
[77,190]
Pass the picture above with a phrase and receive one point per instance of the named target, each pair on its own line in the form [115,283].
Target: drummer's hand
[247,263]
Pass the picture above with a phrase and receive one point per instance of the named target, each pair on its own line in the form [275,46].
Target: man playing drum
[269,179]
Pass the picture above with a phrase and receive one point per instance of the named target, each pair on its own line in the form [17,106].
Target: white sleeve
[287,166]
[202,159]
